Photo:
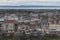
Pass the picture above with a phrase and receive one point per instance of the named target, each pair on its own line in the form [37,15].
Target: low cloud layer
[24,2]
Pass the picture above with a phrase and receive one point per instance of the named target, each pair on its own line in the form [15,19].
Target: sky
[29,2]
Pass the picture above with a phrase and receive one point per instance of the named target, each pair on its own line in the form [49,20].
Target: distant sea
[30,7]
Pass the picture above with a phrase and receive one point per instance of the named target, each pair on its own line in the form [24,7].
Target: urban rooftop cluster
[46,21]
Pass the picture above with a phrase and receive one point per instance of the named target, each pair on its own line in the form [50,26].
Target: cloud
[22,2]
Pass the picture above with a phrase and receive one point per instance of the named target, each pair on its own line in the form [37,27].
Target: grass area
[9,38]
[41,38]
[51,37]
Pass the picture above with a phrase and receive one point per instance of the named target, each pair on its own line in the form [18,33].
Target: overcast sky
[23,2]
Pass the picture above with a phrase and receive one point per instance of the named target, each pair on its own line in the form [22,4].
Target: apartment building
[9,22]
